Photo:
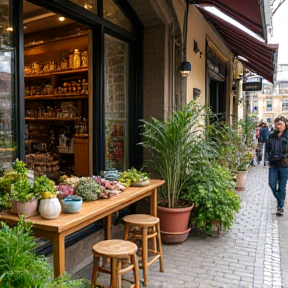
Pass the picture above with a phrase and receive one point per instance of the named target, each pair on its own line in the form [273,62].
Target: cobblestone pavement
[249,255]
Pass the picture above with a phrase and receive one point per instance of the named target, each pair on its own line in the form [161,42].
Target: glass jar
[77,60]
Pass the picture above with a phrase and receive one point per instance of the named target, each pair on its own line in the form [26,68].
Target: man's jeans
[277,181]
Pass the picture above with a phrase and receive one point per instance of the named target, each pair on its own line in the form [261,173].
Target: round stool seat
[141,219]
[115,248]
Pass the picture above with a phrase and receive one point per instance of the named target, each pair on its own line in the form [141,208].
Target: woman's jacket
[277,149]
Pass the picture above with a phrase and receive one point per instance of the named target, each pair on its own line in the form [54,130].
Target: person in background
[264,133]
[277,152]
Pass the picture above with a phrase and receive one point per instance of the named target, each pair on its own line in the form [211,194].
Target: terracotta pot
[174,223]
[28,209]
[240,184]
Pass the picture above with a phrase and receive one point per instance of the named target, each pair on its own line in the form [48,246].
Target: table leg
[107,228]
[59,255]
[153,203]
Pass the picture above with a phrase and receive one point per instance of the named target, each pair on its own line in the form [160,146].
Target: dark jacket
[277,149]
[264,133]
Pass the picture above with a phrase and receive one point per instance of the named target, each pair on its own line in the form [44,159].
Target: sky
[280,27]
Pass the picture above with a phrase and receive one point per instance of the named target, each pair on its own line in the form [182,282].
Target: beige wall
[200,30]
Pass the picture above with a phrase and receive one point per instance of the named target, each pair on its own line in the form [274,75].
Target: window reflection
[90,5]
[113,13]
[7,145]
[116,80]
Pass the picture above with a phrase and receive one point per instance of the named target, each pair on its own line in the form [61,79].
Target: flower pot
[174,223]
[50,208]
[240,184]
[72,204]
[28,209]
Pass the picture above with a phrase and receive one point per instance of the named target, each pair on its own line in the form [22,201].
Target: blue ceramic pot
[72,204]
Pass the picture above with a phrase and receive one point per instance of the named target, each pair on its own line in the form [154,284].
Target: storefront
[69,86]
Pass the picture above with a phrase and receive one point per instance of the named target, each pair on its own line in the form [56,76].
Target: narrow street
[253,254]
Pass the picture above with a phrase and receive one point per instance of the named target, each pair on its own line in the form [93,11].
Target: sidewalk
[253,254]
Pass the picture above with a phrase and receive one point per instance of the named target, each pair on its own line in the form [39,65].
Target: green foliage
[21,190]
[65,281]
[87,188]
[132,175]
[43,184]
[212,191]
[20,167]
[177,148]
[19,266]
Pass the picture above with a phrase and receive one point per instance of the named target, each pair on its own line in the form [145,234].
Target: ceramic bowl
[72,204]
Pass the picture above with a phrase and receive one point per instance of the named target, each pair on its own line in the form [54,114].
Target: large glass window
[269,105]
[7,145]
[113,13]
[285,105]
[90,5]
[116,80]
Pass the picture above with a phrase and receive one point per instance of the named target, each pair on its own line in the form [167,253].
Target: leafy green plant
[21,190]
[132,175]
[43,184]
[19,266]
[87,188]
[212,191]
[177,148]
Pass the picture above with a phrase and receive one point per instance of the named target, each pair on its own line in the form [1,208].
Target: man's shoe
[280,211]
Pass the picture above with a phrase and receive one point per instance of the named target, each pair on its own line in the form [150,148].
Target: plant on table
[44,188]
[132,176]
[88,189]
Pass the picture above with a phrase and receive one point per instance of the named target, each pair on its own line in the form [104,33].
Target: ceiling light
[61,18]
[9,29]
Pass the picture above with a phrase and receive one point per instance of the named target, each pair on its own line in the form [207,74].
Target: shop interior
[56,93]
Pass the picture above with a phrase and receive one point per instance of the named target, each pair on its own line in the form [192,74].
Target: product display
[56,104]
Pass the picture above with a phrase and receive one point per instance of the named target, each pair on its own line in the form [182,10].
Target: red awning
[260,56]
[246,12]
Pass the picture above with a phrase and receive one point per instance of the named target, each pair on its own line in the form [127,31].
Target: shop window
[285,105]
[7,145]
[269,105]
[112,13]
[116,80]
[90,5]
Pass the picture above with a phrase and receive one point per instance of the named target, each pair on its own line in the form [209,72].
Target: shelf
[31,46]
[56,97]
[60,72]
[50,119]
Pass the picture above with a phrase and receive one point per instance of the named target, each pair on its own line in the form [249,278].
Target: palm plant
[177,148]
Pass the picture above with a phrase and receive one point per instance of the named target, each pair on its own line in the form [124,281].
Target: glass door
[7,144]
[116,91]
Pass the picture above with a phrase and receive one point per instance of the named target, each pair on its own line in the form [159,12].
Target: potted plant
[24,200]
[177,148]
[133,177]
[212,191]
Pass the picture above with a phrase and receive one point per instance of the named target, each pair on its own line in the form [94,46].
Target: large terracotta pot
[240,184]
[28,209]
[174,223]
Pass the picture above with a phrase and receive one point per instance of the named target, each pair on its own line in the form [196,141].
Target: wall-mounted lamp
[197,50]
[196,93]
[185,67]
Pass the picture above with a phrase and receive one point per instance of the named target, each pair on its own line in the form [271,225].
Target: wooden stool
[117,251]
[147,227]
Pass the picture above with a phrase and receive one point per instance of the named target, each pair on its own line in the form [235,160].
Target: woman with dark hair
[277,152]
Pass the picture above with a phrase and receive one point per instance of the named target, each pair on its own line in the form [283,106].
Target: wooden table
[66,224]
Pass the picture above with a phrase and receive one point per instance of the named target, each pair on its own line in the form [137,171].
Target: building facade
[73,91]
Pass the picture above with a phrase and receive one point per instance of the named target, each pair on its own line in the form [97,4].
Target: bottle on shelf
[71,59]
[77,60]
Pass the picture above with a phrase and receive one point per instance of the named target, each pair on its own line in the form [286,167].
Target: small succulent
[87,188]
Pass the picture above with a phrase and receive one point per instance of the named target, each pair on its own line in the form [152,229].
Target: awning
[246,12]
[259,55]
